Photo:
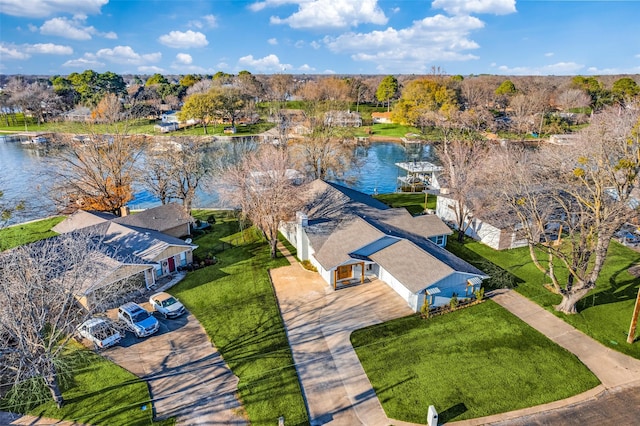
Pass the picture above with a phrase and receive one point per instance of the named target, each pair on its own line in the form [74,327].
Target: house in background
[351,238]
[497,233]
[138,250]
[342,119]
[381,117]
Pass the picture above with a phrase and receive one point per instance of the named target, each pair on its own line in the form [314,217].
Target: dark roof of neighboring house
[342,222]
[159,218]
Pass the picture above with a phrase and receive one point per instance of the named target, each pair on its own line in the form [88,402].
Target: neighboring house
[166,127]
[350,236]
[78,115]
[381,117]
[342,119]
[170,117]
[139,250]
[497,235]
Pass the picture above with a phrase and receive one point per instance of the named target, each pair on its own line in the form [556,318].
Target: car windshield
[139,316]
[168,302]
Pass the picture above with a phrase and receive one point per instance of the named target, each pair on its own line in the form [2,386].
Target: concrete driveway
[187,376]
[319,322]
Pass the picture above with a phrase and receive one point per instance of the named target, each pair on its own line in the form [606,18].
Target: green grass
[470,363]
[413,202]
[604,314]
[100,393]
[26,233]
[139,126]
[236,304]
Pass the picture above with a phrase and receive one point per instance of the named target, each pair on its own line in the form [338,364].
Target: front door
[172,264]
[344,272]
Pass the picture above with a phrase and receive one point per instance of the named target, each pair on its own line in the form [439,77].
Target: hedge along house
[352,238]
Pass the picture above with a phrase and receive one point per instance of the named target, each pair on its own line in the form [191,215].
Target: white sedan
[167,305]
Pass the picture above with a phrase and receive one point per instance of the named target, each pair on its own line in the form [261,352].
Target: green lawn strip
[140,126]
[101,393]
[235,303]
[470,363]
[413,202]
[25,233]
[604,314]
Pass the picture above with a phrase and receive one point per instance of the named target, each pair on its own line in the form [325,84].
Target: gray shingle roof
[330,206]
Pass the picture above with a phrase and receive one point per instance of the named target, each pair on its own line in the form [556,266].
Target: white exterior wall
[478,230]
[405,293]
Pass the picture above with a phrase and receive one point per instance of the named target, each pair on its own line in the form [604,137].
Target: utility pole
[634,320]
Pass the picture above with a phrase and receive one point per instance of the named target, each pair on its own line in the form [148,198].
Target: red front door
[172,264]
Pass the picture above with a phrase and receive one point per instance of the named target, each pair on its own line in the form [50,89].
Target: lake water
[22,167]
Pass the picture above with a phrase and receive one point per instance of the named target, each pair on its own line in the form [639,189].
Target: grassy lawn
[414,202]
[604,314]
[235,303]
[100,393]
[470,363]
[26,233]
[140,126]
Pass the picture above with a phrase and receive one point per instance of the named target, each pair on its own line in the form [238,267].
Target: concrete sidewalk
[618,373]
[337,390]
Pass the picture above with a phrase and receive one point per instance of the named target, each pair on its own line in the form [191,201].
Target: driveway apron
[319,322]
[187,376]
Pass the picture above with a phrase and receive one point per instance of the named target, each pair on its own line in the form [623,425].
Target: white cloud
[613,71]
[315,45]
[300,44]
[74,29]
[330,72]
[548,54]
[559,68]
[270,63]
[414,49]
[208,21]
[49,49]
[126,55]
[87,63]
[12,52]
[44,8]
[184,58]
[306,68]
[466,7]
[146,69]
[184,40]
[272,41]
[327,13]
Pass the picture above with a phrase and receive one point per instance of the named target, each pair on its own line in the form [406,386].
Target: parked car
[167,305]
[138,319]
[100,332]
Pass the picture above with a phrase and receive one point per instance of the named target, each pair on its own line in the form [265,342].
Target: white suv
[138,320]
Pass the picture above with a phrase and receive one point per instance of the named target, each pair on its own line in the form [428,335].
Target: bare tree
[38,287]
[463,164]
[97,174]
[572,199]
[262,185]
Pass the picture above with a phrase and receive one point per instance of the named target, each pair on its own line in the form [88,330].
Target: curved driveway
[186,375]
[319,322]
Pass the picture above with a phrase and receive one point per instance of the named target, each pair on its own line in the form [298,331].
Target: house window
[183,258]
[439,240]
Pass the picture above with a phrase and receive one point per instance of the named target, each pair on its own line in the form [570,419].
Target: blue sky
[505,37]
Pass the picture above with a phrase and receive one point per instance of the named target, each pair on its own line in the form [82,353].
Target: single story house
[381,117]
[499,234]
[342,119]
[136,250]
[350,237]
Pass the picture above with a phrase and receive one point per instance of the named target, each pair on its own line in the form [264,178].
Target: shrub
[479,293]
[306,264]
[453,303]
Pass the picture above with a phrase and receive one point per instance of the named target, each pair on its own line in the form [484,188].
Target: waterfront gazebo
[417,176]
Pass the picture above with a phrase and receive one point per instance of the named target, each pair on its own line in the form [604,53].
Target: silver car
[167,305]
